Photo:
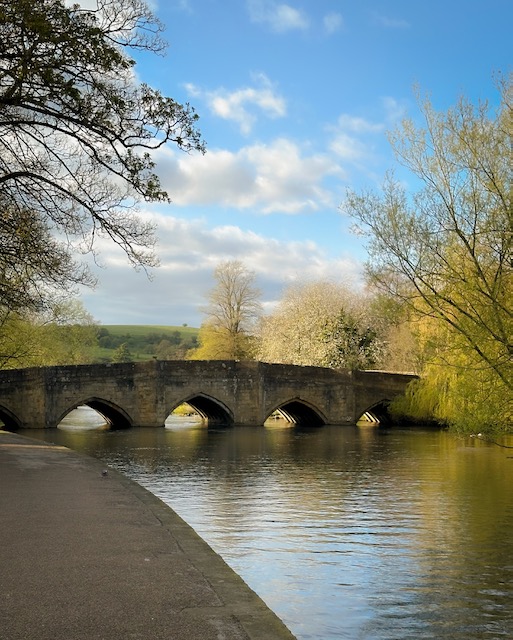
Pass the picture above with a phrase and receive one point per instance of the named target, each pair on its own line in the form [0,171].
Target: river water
[346,532]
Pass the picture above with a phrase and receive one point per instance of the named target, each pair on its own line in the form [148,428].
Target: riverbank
[87,553]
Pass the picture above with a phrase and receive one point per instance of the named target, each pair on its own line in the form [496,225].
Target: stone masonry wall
[144,394]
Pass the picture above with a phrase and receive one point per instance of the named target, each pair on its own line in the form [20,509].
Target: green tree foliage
[32,262]
[146,342]
[122,354]
[19,343]
[397,348]
[446,252]
[70,334]
[76,134]
[218,343]
[233,309]
[66,334]
[455,388]
[165,350]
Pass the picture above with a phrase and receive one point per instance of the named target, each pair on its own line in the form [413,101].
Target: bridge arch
[377,413]
[211,411]
[114,416]
[10,421]
[300,412]
[222,392]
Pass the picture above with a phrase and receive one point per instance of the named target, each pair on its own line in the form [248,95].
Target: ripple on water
[345,533]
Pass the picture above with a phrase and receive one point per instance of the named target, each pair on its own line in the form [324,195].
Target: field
[144,342]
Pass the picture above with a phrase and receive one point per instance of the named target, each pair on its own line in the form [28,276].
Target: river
[358,533]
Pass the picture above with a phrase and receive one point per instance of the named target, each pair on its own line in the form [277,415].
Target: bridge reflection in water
[220,392]
[345,532]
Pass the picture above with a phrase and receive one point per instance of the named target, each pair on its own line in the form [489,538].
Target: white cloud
[282,175]
[239,105]
[358,125]
[394,109]
[279,17]
[350,138]
[183,5]
[267,178]
[189,251]
[354,138]
[348,147]
[391,23]
[333,22]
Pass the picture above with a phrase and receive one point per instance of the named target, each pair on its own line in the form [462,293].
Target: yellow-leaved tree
[233,310]
[446,251]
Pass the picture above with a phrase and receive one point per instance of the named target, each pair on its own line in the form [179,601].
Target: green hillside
[144,342]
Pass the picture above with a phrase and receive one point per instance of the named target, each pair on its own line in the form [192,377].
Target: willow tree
[447,251]
[76,135]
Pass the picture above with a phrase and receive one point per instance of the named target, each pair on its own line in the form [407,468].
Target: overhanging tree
[32,261]
[76,136]
[447,251]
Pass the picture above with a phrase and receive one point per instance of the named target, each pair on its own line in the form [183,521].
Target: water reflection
[346,532]
[83,419]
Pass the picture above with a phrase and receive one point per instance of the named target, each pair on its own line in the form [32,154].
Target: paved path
[88,556]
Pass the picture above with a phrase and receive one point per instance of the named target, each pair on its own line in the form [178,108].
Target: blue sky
[295,99]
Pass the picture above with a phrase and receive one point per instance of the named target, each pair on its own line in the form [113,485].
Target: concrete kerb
[232,610]
[256,617]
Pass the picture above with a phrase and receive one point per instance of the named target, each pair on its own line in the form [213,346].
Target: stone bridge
[221,392]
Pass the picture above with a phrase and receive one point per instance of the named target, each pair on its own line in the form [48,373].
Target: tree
[18,341]
[64,334]
[233,309]
[32,262]
[165,350]
[122,354]
[76,133]
[397,348]
[350,342]
[293,333]
[447,251]
[217,343]
[321,324]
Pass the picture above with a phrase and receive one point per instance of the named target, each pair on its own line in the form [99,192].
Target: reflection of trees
[417,521]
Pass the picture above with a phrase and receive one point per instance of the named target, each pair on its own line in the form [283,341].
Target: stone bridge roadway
[222,392]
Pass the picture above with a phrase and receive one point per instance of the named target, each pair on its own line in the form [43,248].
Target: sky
[295,99]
